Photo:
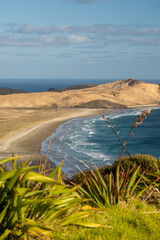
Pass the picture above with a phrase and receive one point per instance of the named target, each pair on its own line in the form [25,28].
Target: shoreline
[142,108]
[28,141]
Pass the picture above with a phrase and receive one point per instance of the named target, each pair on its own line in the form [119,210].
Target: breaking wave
[92,141]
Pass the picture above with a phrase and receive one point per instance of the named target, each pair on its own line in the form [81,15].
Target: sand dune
[126,92]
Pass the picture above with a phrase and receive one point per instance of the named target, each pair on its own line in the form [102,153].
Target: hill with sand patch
[118,94]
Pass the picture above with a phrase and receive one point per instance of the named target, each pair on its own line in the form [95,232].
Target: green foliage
[138,177]
[127,221]
[117,187]
[34,205]
[148,164]
[28,199]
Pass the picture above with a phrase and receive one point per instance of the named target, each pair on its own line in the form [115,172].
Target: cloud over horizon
[102,29]
[97,34]
[85,38]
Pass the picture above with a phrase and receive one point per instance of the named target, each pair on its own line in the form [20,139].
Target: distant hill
[6,91]
[74,87]
[125,93]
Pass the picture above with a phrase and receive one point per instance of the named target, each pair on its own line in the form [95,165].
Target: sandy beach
[26,120]
[25,139]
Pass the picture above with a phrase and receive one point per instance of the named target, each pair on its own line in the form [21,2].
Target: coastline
[26,142]
[72,139]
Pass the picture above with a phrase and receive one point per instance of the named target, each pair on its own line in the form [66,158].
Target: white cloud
[144,41]
[101,29]
[78,39]
[43,41]
[93,35]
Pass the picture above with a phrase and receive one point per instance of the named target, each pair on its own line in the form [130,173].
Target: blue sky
[69,39]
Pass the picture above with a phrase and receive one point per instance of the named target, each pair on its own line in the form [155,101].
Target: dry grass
[126,92]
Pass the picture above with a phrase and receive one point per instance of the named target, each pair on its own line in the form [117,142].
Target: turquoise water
[92,140]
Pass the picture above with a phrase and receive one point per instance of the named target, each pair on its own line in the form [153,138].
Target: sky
[80,39]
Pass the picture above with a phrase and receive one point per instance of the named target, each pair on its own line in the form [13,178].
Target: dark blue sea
[38,85]
[92,140]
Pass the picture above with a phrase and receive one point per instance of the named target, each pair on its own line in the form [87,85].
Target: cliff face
[118,94]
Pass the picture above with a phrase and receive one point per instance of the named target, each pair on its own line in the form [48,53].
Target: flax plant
[117,187]
[30,202]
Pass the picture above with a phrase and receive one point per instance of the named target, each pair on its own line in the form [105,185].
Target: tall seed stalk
[138,121]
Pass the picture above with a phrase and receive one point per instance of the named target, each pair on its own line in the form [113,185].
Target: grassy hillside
[134,220]
[128,93]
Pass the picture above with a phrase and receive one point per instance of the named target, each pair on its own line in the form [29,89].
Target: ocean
[39,85]
[92,141]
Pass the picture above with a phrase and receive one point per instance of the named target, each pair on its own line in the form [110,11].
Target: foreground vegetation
[134,220]
[100,206]
[108,203]
[35,205]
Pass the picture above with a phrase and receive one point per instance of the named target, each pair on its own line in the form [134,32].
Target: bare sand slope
[125,93]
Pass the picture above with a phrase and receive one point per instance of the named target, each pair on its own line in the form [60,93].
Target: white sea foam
[86,140]
[126,113]
[85,129]
[61,138]
[74,136]
[98,156]
[91,132]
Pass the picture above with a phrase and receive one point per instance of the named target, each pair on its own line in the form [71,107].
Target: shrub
[30,202]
